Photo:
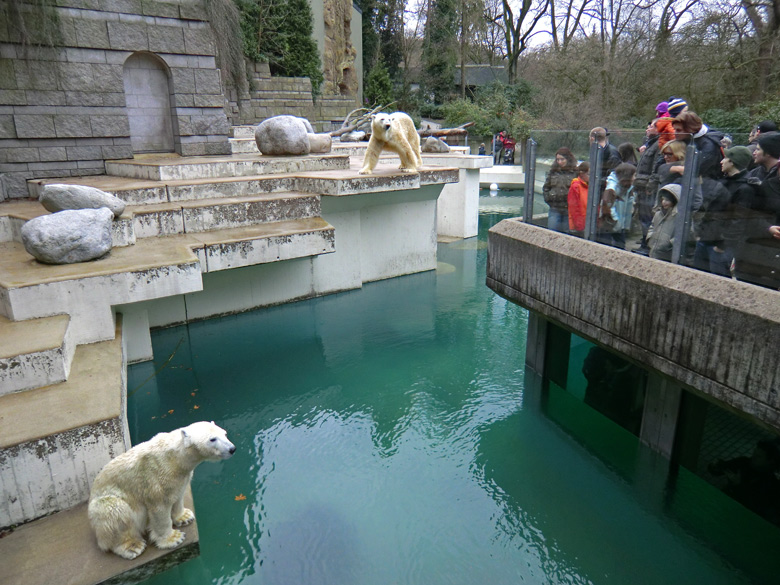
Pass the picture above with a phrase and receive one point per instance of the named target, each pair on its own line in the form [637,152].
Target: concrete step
[55,439]
[244,131]
[61,549]
[212,167]
[34,353]
[152,268]
[215,214]
[244,146]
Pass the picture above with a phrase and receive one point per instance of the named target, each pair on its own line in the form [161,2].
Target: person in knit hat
[762,127]
[740,157]
[663,124]
[676,106]
[765,156]
[757,258]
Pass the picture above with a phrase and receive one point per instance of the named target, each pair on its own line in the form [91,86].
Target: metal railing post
[530,179]
[682,225]
[594,192]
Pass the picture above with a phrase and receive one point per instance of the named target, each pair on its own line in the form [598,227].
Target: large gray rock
[58,197]
[69,236]
[433,144]
[283,135]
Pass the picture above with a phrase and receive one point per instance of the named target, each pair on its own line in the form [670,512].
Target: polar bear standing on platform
[142,490]
[394,132]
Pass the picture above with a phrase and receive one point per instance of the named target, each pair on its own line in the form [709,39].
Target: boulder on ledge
[69,236]
[59,197]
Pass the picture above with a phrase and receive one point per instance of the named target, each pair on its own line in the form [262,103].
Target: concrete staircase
[63,344]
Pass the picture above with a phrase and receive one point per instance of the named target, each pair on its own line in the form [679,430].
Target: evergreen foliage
[370,35]
[280,32]
[390,26]
[378,89]
[440,50]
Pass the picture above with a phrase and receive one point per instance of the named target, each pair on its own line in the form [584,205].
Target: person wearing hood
[660,236]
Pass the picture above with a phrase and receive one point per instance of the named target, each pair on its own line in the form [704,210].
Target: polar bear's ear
[373,117]
[184,435]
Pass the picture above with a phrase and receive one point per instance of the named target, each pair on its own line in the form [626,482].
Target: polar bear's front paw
[364,171]
[184,518]
[174,539]
[130,549]
[407,170]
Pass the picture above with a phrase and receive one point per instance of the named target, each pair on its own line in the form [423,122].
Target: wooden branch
[363,120]
[459,131]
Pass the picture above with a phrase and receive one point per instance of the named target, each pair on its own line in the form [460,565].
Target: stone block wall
[63,110]
[273,96]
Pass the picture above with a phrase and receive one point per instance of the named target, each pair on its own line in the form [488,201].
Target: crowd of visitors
[735,206]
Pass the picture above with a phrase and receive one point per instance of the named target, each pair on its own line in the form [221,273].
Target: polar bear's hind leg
[116,527]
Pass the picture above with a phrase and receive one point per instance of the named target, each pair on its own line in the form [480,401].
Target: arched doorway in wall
[147,97]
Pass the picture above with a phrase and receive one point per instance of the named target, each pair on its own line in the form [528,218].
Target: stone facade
[63,109]
[274,96]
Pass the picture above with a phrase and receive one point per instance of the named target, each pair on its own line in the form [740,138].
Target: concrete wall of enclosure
[714,336]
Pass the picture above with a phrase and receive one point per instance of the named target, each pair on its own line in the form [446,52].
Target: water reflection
[383,437]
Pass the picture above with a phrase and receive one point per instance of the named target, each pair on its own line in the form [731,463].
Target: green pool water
[386,436]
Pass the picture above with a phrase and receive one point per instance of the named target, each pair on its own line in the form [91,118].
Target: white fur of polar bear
[394,132]
[142,490]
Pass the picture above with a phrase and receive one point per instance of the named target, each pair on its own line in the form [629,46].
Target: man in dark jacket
[610,157]
[645,197]
[688,127]
[759,255]
[716,224]
[765,156]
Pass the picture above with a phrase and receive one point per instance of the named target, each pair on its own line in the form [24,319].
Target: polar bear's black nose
[387,126]
[232,450]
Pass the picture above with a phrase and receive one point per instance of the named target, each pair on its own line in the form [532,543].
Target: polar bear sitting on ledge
[142,490]
[394,132]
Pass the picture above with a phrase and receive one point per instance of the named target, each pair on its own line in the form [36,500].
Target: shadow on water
[382,437]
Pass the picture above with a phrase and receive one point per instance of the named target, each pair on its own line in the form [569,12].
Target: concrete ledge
[34,353]
[91,394]
[188,168]
[716,336]
[62,549]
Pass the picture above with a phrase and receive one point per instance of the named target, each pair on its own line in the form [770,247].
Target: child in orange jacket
[578,199]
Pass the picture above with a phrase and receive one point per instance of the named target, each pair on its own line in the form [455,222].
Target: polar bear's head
[381,124]
[209,440]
